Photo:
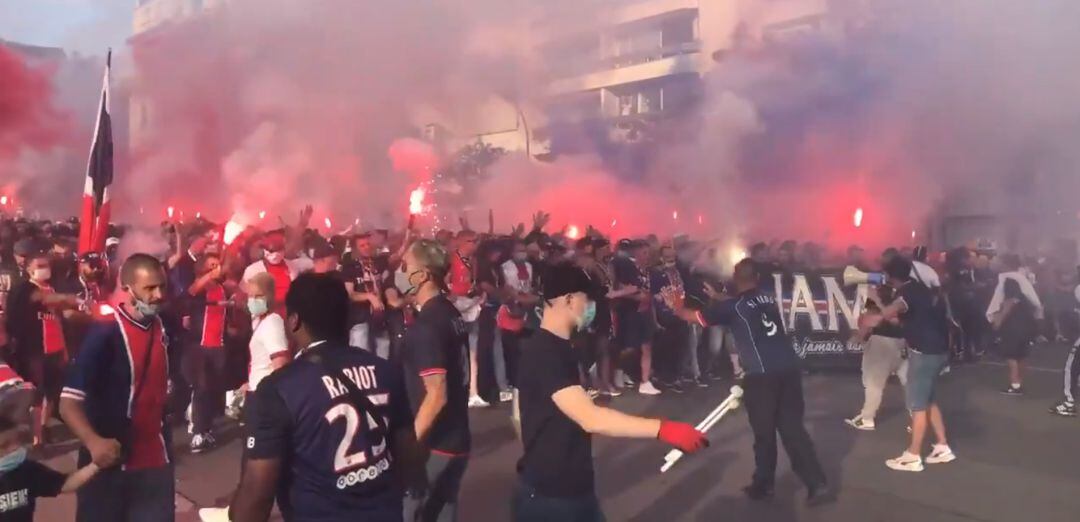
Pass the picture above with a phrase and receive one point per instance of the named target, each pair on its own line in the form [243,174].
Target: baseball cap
[563,278]
[323,250]
[93,259]
[26,247]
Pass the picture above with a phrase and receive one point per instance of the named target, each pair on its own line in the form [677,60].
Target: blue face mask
[589,316]
[12,460]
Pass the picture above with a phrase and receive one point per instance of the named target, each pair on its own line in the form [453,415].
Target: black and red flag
[94,228]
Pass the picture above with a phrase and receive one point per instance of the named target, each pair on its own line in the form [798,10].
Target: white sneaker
[214,514]
[940,455]
[905,462]
[476,402]
[506,396]
[860,423]
[647,388]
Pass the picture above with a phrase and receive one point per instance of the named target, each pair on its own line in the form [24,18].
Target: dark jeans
[395,329]
[511,343]
[205,369]
[145,495]
[670,347]
[529,506]
[485,355]
[438,503]
[774,403]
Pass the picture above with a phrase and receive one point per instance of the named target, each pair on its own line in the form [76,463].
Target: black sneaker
[1064,409]
[701,383]
[202,442]
[1013,391]
[758,492]
[674,387]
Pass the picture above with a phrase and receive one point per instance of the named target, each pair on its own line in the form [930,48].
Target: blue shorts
[633,329]
[922,374]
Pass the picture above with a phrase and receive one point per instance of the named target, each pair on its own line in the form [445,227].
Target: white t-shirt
[267,340]
[296,267]
[926,274]
[1026,288]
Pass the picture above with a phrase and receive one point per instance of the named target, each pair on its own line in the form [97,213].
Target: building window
[651,100]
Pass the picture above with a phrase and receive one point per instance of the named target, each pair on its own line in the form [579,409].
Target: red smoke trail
[28,115]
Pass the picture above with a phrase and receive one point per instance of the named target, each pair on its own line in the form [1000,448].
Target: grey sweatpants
[882,357]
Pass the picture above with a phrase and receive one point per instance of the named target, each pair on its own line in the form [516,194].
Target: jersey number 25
[343,460]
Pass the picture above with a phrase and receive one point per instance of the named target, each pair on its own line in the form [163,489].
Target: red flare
[858,217]
[573,232]
[232,230]
[416,201]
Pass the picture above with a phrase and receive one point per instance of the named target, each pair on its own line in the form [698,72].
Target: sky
[84,26]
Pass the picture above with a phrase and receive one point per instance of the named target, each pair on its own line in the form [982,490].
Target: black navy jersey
[438,343]
[336,461]
[756,324]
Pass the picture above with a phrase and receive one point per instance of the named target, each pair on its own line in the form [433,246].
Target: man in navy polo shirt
[114,402]
[773,382]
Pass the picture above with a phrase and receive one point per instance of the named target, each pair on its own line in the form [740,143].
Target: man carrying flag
[99,175]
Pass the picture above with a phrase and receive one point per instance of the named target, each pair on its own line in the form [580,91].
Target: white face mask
[41,274]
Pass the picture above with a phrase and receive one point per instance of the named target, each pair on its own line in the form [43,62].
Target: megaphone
[853,276]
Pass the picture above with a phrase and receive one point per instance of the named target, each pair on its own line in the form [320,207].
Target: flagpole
[96,207]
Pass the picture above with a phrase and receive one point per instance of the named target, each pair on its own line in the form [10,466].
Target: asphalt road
[1017,463]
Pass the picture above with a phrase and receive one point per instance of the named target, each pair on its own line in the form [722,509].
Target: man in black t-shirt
[635,317]
[922,318]
[365,277]
[883,355]
[436,365]
[555,474]
[330,434]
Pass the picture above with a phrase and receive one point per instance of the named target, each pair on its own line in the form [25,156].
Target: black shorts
[634,329]
[1017,349]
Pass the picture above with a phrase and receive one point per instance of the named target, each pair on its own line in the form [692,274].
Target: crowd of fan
[50,294]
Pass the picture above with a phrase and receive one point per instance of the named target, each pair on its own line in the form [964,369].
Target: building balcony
[663,61]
